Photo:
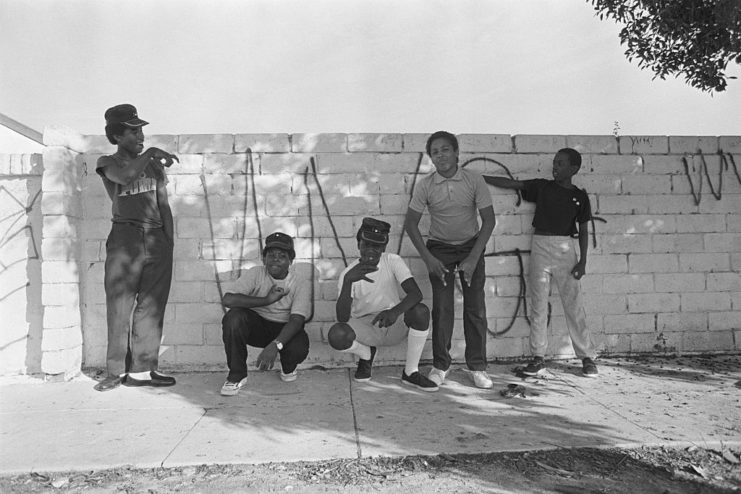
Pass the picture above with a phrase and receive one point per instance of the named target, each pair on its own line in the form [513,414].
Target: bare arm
[504,182]
[434,265]
[133,167]
[241,301]
[581,266]
[413,296]
[488,222]
[343,308]
[165,211]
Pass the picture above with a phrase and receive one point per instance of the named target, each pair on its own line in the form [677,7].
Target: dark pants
[443,313]
[138,271]
[242,327]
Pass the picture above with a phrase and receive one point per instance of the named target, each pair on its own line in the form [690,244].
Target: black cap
[279,240]
[124,114]
[374,231]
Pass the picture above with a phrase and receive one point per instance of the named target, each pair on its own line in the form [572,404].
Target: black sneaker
[589,368]
[534,368]
[418,381]
[363,373]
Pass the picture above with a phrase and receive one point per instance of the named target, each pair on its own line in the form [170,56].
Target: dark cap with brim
[279,240]
[125,115]
[374,231]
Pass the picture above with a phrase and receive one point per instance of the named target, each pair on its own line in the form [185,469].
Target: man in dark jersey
[138,267]
[559,207]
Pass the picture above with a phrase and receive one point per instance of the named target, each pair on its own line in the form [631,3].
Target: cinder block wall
[663,276]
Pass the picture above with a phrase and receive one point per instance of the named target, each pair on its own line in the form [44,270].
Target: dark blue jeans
[138,271]
[443,307]
[242,327]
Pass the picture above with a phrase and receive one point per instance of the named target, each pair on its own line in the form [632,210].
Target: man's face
[277,262]
[444,157]
[132,140]
[370,253]
[562,167]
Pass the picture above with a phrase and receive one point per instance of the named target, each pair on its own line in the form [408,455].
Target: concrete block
[653,302]
[193,271]
[67,362]
[187,185]
[484,143]
[353,206]
[262,143]
[593,144]
[64,294]
[508,347]
[277,205]
[625,244]
[612,165]
[184,333]
[397,163]
[672,166]
[643,144]
[616,343]
[706,341]
[60,249]
[539,143]
[629,323]
[225,163]
[329,183]
[728,204]
[653,342]
[282,163]
[218,184]
[382,143]
[61,316]
[624,204]
[60,272]
[319,143]
[730,144]
[196,313]
[55,339]
[615,263]
[653,263]
[210,357]
[693,144]
[326,227]
[724,321]
[736,261]
[414,142]
[701,223]
[647,184]
[673,204]
[706,301]
[680,282]
[206,143]
[682,321]
[718,262]
[604,303]
[724,282]
[683,242]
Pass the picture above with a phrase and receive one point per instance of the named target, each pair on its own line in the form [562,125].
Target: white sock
[415,345]
[139,375]
[362,351]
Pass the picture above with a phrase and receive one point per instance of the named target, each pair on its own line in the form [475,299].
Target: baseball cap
[279,240]
[374,231]
[124,114]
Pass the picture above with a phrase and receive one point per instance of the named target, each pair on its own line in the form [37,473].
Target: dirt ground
[644,470]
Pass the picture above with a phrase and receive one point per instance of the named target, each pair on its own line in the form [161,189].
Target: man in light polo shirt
[268,309]
[455,243]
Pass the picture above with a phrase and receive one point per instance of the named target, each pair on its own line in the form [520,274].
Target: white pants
[555,257]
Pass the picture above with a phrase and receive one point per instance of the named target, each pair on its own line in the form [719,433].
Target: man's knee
[341,336]
[232,321]
[418,317]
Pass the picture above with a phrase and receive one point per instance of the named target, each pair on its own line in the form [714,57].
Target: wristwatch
[278,344]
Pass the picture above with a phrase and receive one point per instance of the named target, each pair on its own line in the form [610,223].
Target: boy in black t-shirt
[559,207]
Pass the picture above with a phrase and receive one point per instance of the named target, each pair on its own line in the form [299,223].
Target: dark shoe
[418,381]
[534,368]
[109,383]
[363,373]
[589,368]
[156,380]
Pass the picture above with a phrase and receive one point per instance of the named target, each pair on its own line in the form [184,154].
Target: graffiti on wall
[13,230]
[726,162]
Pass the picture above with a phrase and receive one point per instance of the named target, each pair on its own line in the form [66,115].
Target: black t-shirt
[557,209]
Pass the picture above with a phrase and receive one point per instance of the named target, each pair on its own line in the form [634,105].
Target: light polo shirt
[257,282]
[383,293]
[453,204]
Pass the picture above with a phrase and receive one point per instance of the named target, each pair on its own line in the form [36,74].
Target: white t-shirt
[257,282]
[371,298]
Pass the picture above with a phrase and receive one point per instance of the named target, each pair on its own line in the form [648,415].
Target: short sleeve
[247,282]
[301,304]
[399,268]
[532,189]
[483,197]
[419,197]
[584,213]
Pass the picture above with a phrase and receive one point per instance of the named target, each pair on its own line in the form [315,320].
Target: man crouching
[369,310]
[267,310]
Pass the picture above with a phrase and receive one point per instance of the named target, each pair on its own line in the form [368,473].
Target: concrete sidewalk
[324,415]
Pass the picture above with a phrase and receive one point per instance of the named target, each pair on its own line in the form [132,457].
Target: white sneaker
[230,389]
[481,379]
[290,377]
[437,376]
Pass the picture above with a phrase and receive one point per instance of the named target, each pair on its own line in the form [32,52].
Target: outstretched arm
[504,182]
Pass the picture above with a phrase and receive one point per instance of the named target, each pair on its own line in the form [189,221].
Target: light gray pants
[553,258]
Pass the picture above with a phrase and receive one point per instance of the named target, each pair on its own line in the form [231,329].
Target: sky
[292,66]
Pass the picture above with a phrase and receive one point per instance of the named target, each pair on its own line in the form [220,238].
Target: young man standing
[371,314]
[138,266]
[453,196]
[268,309]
